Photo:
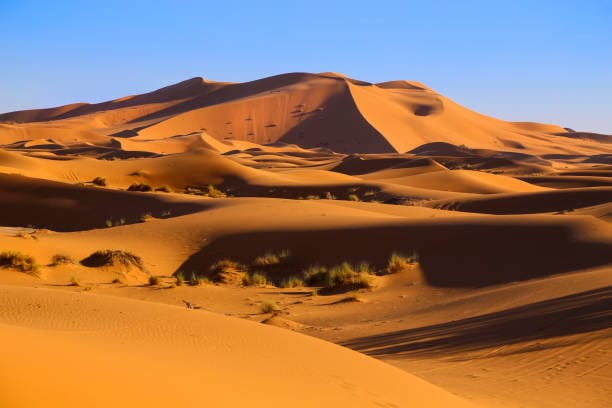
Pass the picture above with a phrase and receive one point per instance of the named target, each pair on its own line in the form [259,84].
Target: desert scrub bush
[196,280]
[214,192]
[271,258]
[99,181]
[398,262]
[179,279]
[269,307]
[139,187]
[108,257]
[292,282]
[74,281]
[117,280]
[353,197]
[164,189]
[313,197]
[329,196]
[339,276]
[18,261]
[61,259]
[228,271]
[146,217]
[255,279]
[154,280]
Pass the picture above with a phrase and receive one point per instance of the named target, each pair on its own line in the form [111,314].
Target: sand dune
[129,228]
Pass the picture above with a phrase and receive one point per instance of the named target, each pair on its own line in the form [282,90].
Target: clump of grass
[61,259]
[154,280]
[179,279]
[329,196]
[140,187]
[339,276]
[108,257]
[74,281]
[108,223]
[369,193]
[398,262]
[146,217]
[196,280]
[353,197]
[255,279]
[313,197]
[99,181]
[228,271]
[271,258]
[117,280]
[292,282]
[269,307]
[164,189]
[214,192]
[18,261]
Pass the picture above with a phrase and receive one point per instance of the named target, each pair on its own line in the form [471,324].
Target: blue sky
[545,61]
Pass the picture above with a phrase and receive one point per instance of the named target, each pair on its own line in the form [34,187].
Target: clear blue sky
[546,61]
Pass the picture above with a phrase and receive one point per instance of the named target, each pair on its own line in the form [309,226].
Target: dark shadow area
[573,314]
[467,253]
[68,207]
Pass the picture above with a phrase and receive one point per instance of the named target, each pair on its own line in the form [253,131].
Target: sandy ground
[507,304]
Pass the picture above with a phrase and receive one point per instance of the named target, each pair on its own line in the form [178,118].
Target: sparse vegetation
[196,280]
[18,261]
[353,197]
[269,307]
[213,192]
[154,280]
[271,258]
[339,276]
[164,189]
[228,271]
[99,181]
[117,280]
[140,187]
[399,262]
[292,282]
[146,217]
[179,279]
[61,259]
[108,257]
[74,281]
[329,196]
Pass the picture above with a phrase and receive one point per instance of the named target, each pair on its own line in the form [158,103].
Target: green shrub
[18,261]
[398,262]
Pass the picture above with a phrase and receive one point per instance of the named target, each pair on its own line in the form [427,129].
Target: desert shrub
[108,223]
[353,197]
[398,262]
[117,280]
[108,257]
[228,271]
[292,282]
[74,281]
[18,261]
[269,307]
[146,217]
[271,258]
[196,280]
[339,276]
[99,181]
[255,279]
[179,279]
[154,280]
[164,189]
[139,187]
[61,259]
[313,197]
[213,192]
[329,196]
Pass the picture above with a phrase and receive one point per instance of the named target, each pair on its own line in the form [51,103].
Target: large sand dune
[149,217]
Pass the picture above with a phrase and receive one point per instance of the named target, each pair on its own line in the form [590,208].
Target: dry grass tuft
[20,262]
[108,257]
[62,259]
[399,262]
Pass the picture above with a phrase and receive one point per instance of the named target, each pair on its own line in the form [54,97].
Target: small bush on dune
[269,307]
[271,258]
[99,181]
[108,257]
[213,192]
[164,189]
[154,280]
[179,279]
[140,187]
[18,261]
[399,262]
[196,280]
[61,259]
[292,282]
[339,276]
[353,197]
[228,271]
[117,280]
[256,279]
[74,281]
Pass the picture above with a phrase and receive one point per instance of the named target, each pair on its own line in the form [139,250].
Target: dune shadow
[573,314]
